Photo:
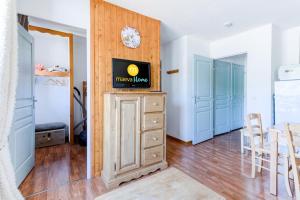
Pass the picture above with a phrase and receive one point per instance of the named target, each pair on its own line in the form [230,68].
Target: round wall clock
[130,37]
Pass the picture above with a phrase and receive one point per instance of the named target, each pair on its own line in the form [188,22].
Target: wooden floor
[55,167]
[59,172]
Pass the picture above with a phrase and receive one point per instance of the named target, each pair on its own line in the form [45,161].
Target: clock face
[130,37]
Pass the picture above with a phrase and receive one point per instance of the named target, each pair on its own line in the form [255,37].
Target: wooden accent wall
[107,21]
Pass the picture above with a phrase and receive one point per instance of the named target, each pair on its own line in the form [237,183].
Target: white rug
[170,184]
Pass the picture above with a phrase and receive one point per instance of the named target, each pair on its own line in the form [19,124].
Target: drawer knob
[155,104]
[155,138]
[155,121]
[154,155]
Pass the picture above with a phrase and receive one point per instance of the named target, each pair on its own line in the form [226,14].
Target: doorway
[229,93]
[60,92]
[219,96]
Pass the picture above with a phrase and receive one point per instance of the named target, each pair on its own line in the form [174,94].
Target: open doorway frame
[71,71]
[245,64]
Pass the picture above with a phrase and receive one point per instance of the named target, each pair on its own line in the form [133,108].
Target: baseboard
[115,181]
[179,140]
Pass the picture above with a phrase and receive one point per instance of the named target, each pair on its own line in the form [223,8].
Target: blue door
[222,93]
[237,115]
[21,139]
[203,99]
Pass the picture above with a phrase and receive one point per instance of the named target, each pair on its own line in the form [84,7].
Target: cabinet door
[222,92]
[128,133]
[237,115]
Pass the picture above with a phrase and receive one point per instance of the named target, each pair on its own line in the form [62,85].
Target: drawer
[152,155]
[152,138]
[153,103]
[153,121]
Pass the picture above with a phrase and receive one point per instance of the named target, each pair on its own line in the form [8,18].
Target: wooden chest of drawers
[134,136]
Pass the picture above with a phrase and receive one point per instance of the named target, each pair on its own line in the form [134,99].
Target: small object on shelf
[41,70]
[39,67]
[57,68]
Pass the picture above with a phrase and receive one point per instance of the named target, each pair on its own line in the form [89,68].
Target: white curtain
[8,83]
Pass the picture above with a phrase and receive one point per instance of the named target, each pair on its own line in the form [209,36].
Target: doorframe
[71,72]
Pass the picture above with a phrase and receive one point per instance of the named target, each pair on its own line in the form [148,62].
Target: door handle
[34,100]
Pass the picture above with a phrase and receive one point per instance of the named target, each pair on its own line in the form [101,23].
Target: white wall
[34,21]
[174,56]
[257,43]
[277,52]
[290,46]
[50,50]
[69,12]
[261,66]
[236,59]
[178,54]
[53,104]
[80,74]
[51,93]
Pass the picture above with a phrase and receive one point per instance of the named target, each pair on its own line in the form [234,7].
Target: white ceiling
[205,18]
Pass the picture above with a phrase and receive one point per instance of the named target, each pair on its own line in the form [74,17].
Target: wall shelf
[47,73]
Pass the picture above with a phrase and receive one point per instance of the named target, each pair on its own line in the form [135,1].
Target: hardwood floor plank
[60,171]
[222,168]
[55,166]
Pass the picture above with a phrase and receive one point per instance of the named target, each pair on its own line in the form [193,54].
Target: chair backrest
[254,124]
[292,132]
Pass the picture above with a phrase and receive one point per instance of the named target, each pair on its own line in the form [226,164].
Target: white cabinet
[134,136]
